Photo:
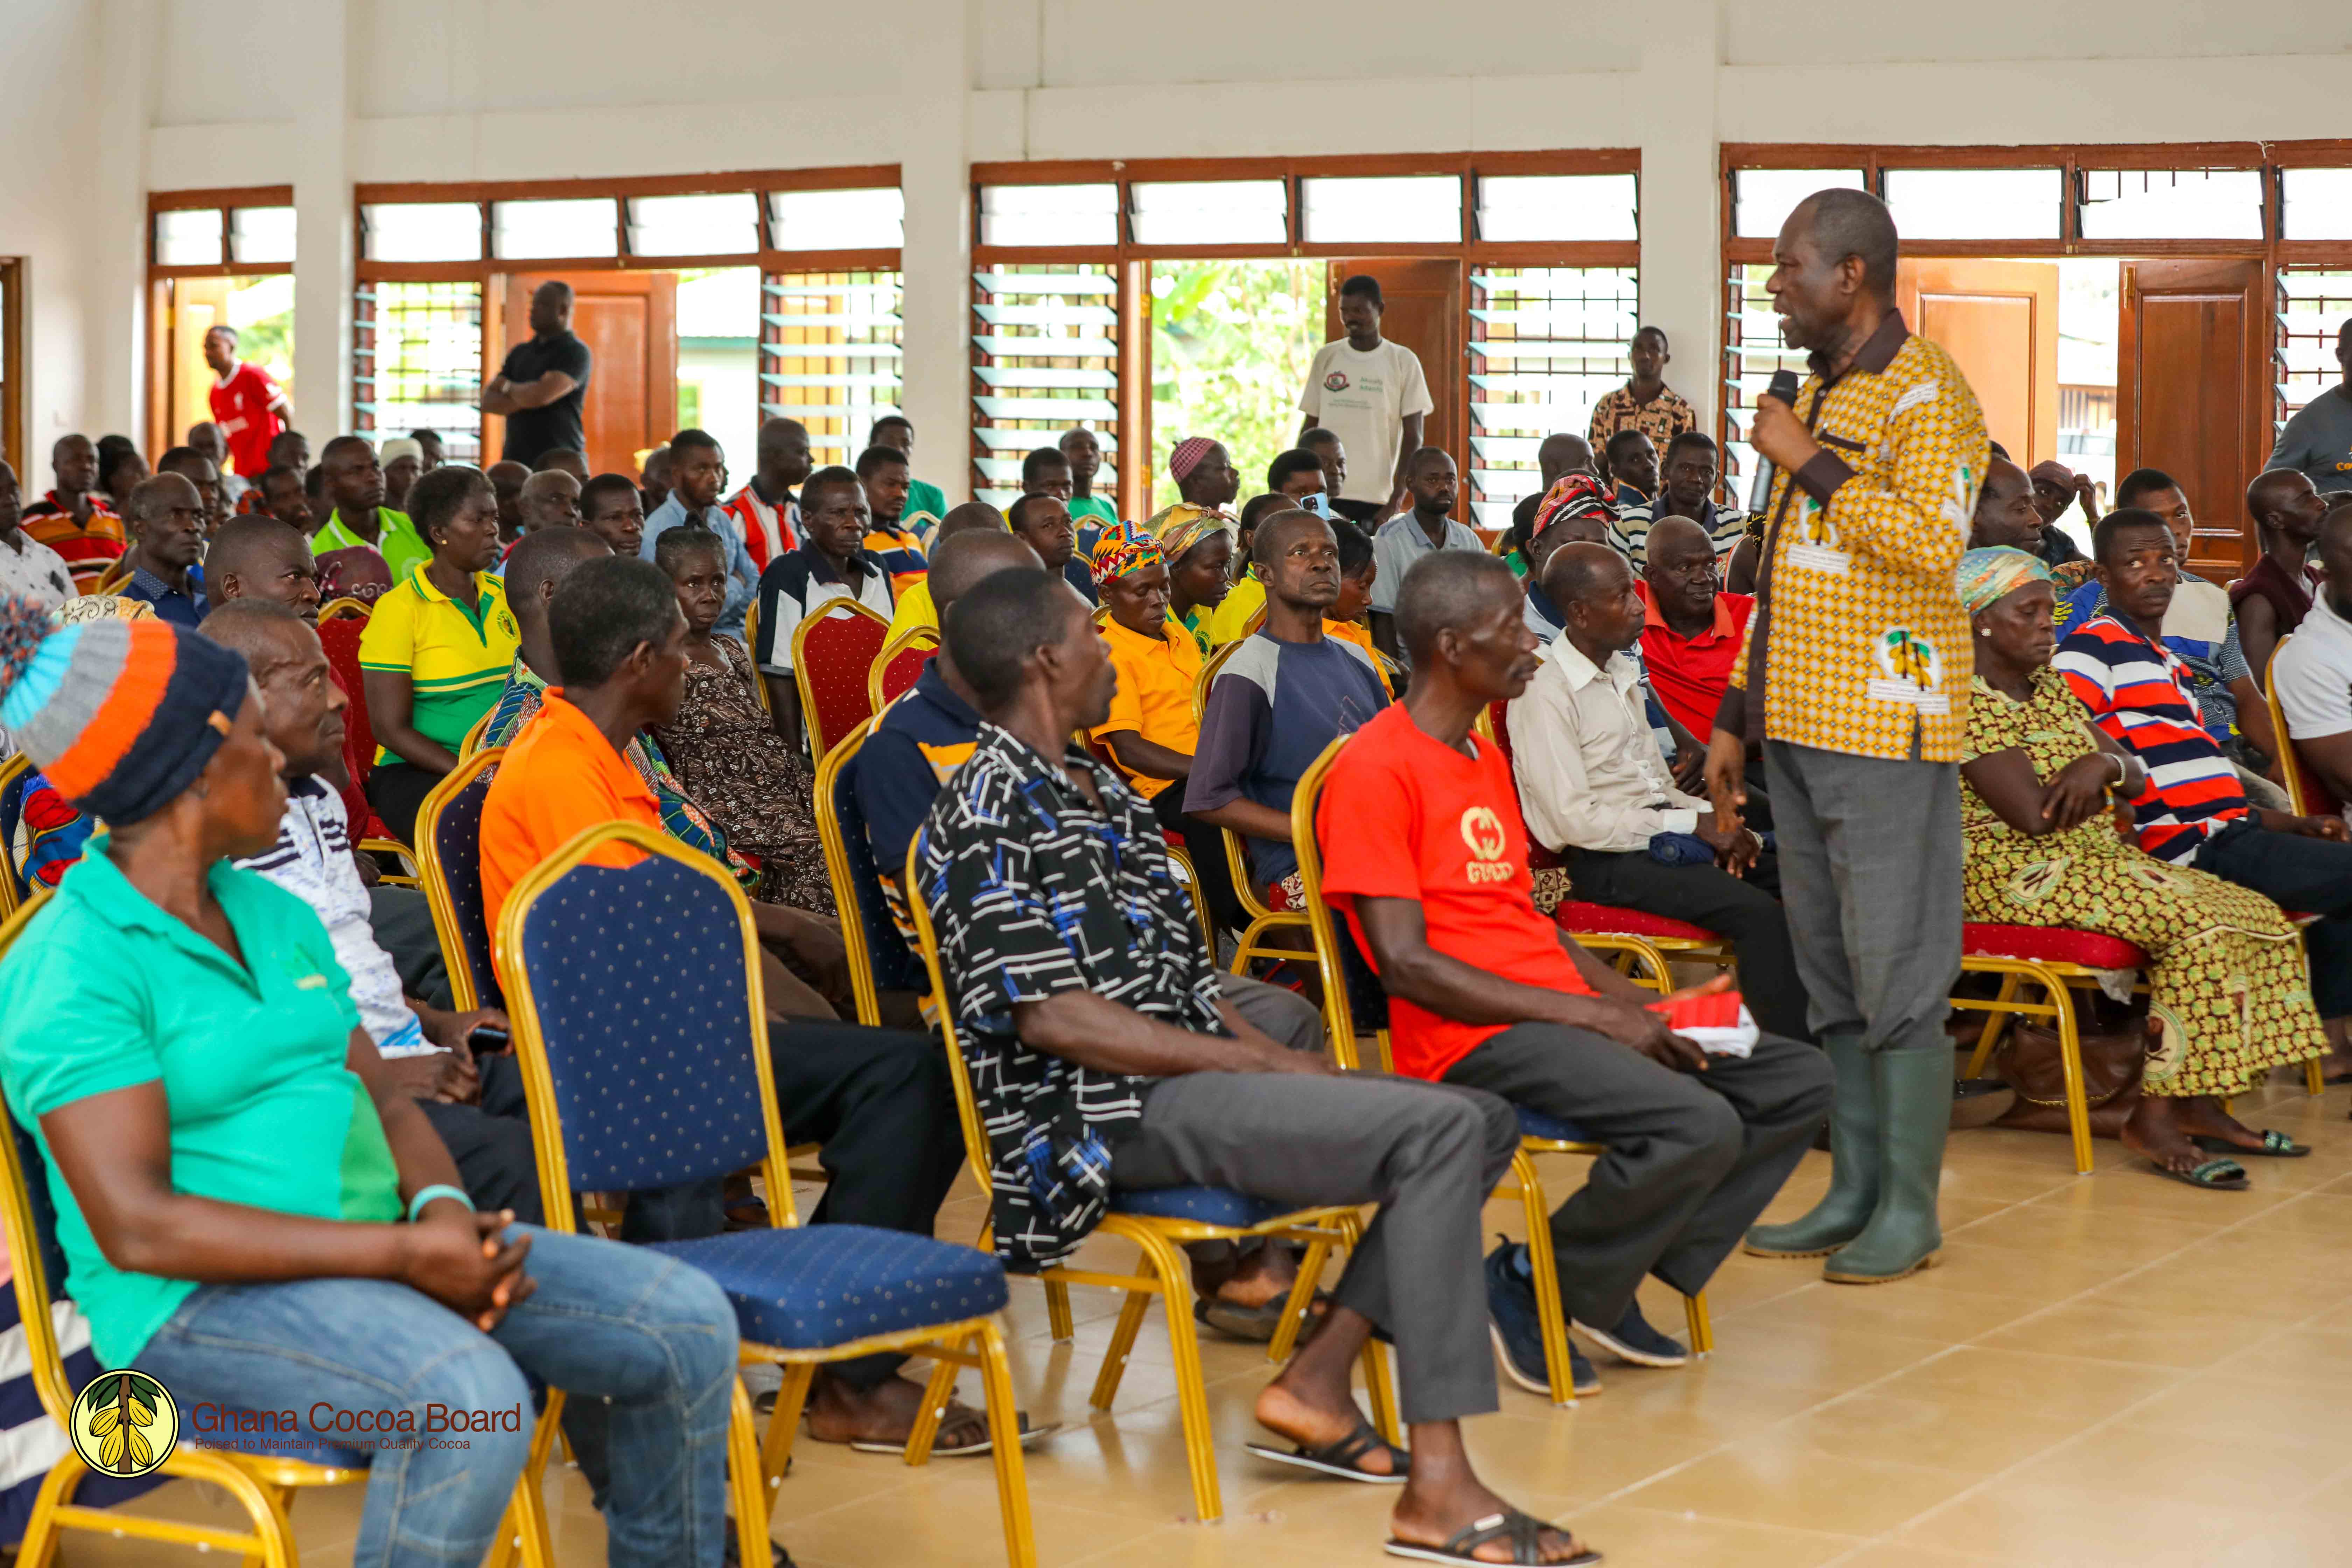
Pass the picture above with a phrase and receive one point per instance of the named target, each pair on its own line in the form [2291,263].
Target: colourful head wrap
[121,714]
[1989,574]
[1184,525]
[1187,456]
[1124,548]
[1575,495]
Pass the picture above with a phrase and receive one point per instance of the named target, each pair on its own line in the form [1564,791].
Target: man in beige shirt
[1596,790]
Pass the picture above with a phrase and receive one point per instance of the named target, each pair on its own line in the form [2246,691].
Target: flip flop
[2213,1176]
[1030,1437]
[2276,1145]
[1256,1323]
[1524,1531]
[1339,1459]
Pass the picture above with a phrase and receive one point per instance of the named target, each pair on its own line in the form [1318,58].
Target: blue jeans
[653,1336]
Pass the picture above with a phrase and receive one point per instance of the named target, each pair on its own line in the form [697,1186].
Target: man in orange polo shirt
[1426,855]
[1690,630]
[1151,732]
[880,1101]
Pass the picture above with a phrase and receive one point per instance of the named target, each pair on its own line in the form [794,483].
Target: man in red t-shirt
[1690,627]
[249,408]
[1431,876]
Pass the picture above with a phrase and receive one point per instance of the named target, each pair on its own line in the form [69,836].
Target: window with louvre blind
[1045,343]
[1546,344]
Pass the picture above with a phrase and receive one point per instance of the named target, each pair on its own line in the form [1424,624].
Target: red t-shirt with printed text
[241,408]
[1422,821]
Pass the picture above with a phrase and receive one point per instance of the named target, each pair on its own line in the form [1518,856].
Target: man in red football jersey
[249,408]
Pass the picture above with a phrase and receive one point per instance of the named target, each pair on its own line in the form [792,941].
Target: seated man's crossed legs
[1694,1157]
[1428,1154]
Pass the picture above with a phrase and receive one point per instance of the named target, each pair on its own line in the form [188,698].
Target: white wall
[447,89]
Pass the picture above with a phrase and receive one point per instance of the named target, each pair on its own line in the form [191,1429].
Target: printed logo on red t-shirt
[1482,830]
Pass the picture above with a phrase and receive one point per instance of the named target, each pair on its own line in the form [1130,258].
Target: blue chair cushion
[1535,1124]
[820,1286]
[1203,1206]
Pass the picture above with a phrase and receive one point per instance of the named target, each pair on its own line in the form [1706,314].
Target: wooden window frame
[1131,262]
[12,317]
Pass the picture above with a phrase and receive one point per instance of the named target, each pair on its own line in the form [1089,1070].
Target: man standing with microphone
[1856,678]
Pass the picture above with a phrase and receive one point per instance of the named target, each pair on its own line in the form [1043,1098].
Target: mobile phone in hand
[487,1040]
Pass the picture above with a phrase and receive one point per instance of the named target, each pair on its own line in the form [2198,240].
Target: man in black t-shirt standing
[543,383]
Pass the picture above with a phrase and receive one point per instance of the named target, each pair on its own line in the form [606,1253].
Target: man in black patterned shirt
[1105,1057]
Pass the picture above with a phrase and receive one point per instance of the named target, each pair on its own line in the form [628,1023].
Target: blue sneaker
[1633,1339]
[1518,1332]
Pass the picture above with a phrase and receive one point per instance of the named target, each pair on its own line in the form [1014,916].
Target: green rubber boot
[1914,1096]
[1853,1197]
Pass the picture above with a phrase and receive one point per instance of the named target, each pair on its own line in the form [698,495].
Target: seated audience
[1692,468]
[768,509]
[549,498]
[167,521]
[206,440]
[568,460]
[202,472]
[403,464]
[437,647]
[880,1101]
[1690,631]
[2313,673]
[1560,455]
[2273,598]
[1083,452]
[1200,555]
[1573,511]
[291,448]
[612,510]
[258,557]
[1360,572]
[282,1282]
[1597,791]
[2193,812]
[915,609]
[1425,857]
[1044,524]
[476,1108]
[1105,1057]
[1630,467]
[2203,628]
[28,568]
[653,479]
[121,466]
[721,744]
[697,473]
[74,518]
[1324,442]
[926,503]
[1412,536]
[831,562]
[357,517]
[507,478]
[429,447]
[2057,487]
[1288,692]
[2228,992]
[882,474]
[2005,515]
[1295,479]
[1149,732]
[279,493]
[1046,472]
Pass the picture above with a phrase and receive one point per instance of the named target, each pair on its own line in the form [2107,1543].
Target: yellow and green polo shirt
[456,657]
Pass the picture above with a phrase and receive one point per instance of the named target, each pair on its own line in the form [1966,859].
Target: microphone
[1784,387]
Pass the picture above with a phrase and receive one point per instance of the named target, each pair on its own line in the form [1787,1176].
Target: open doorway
[1231,344]
[261,308]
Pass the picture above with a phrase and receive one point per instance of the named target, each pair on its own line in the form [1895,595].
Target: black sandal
[2276,1145]
[2213,1176]
[1524,1531]
[1340,1458]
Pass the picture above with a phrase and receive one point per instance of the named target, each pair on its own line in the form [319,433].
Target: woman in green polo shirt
[249,1210]
[437,647]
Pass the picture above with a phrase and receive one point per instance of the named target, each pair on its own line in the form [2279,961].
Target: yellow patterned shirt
[1865,646]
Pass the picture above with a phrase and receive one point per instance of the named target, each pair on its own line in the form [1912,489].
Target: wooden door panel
[1422,309]
[1999,319]
[2190,392]
[629,321]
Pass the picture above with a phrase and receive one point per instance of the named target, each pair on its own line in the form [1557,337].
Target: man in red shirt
[249,408]
[1431,876]
[73,519]
[1690,630]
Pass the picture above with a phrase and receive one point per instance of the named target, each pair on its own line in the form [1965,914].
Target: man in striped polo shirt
[2194,812]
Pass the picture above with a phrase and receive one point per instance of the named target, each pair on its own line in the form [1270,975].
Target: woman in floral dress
[725,748]
[2229,990]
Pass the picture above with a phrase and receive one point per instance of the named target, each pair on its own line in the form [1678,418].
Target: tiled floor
[2110,1370]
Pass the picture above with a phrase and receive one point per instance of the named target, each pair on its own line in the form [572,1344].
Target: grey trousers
[1427,1153]
[1693,1157]
[1870,874]
[1289,1019]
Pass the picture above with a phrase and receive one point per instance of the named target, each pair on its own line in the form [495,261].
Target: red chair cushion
[836,657]
[340,638]
[1608,919]
[906,667]
[2052,943]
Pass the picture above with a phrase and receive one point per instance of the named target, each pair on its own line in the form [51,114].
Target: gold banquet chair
[691,1008]
[1180,1215]
[1539,1134]
[262,1484]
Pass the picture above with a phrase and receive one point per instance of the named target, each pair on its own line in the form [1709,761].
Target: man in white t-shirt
[1370,394]
[2312,670]
[28,568]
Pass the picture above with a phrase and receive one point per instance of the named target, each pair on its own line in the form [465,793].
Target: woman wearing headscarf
[249,1210]
[1198,549]
[2229,991]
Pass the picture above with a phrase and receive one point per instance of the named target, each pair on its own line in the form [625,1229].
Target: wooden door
[197,305]
[629,321]
[2192,394]
[1422,309]
[1999,321]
